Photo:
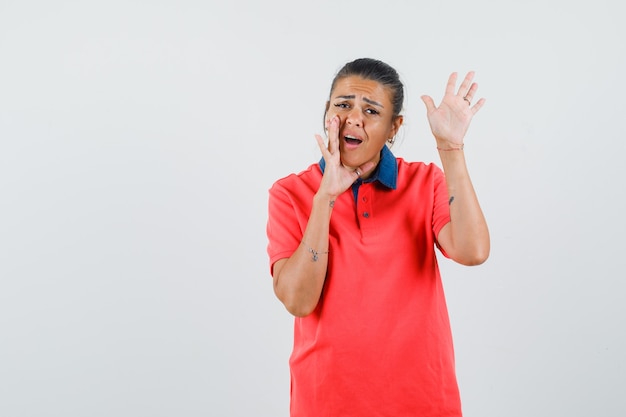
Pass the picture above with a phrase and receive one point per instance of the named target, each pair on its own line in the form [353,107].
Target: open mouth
[352,140]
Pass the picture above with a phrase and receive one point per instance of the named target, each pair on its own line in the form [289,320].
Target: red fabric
[379,342]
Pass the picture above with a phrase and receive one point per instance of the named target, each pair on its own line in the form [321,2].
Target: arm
[299,279]
[466,238]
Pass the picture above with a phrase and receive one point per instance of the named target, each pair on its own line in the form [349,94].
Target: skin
[362,108]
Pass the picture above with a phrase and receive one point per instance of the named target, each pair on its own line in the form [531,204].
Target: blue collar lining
[385,173]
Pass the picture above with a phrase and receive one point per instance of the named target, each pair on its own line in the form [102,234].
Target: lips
[352,140]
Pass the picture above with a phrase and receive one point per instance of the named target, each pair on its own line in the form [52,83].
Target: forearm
[299,280]
[468,235]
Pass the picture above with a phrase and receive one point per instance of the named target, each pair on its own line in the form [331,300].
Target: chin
[350,163]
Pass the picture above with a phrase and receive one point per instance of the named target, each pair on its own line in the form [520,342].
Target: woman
[352,253]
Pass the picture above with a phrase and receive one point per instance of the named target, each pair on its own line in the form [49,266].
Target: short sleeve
[283,230]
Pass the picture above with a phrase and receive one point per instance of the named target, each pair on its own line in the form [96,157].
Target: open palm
[449,122]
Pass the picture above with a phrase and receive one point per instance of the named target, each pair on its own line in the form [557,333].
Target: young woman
[352,243]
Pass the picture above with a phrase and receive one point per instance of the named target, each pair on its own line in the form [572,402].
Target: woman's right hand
[337,178]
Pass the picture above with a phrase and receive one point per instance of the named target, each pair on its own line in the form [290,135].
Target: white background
[138,140]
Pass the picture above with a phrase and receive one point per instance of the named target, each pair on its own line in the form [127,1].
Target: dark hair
[375,70]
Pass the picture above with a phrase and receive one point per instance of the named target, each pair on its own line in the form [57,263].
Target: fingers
[466,86]
[322,145]
[333,135]
[478,105]
[451,84]
[467,90]
[365,168]
[332,149]
[430,104]
[470,92]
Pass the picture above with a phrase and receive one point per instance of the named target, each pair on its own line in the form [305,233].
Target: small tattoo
[451,200]
[332,203]
[314,254]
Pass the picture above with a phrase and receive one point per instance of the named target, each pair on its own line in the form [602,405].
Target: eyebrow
[365,99]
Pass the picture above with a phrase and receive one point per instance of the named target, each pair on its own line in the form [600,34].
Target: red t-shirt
[379,341]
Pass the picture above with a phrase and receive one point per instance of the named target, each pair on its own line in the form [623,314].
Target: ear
[395,125]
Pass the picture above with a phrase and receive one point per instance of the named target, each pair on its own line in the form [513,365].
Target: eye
[342,105]
[372,111]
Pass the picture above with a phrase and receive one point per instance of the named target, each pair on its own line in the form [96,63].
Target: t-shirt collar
[385,173]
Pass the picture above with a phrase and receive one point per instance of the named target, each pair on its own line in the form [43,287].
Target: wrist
[324,200]
[445,146]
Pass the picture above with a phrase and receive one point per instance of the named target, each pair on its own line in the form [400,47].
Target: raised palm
[451,119]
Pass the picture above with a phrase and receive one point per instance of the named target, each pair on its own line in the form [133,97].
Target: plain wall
[138,140]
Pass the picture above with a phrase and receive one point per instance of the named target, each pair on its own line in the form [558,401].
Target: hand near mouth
[337,177]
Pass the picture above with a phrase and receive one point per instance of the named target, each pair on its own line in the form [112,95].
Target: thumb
[430,104]
[367,167]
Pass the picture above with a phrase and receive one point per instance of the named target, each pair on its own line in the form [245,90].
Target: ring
[358,173]
[467,99]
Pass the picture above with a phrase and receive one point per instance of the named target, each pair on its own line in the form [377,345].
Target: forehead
[361,87]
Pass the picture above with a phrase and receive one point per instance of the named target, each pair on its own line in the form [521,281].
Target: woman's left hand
[449,122]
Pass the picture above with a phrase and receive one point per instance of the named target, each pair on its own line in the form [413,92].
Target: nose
[355,118]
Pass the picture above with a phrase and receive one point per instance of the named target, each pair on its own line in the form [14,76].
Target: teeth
[351,137]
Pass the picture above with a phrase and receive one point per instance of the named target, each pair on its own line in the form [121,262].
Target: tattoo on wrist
[451,200]
[332,203]
[314,253]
